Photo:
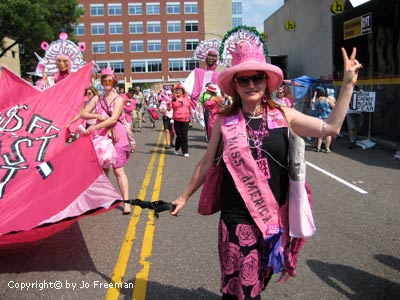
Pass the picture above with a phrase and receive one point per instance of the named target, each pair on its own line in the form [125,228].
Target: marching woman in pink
[110,135]
[182,111]
[254,241]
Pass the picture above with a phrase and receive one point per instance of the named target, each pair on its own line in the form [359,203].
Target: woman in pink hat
[254,241]
[211,108]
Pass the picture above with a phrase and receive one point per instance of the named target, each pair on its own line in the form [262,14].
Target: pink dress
[121,144]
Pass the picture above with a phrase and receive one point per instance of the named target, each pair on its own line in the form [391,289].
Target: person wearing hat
[203,112]
[211,108]
[281,99]
[254,239]
[207,51]
[182,111]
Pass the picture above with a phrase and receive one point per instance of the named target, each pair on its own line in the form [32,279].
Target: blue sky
[256,11]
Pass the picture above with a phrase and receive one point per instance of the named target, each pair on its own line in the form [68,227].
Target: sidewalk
[381,143]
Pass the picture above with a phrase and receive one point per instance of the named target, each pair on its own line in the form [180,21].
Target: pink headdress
[247,52]
[204,47]
[108,71]
[61,47]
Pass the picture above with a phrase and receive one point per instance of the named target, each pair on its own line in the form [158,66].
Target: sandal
[318,150]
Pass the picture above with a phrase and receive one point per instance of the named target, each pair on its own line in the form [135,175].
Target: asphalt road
[355,253]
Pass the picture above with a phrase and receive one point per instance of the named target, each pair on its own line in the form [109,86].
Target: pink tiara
[108,71]
[247,50]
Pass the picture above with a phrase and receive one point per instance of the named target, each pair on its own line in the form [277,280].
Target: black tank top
[233,208]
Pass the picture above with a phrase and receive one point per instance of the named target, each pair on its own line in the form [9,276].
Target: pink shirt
[181,109]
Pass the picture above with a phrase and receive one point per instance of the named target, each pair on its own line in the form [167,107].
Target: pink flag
[45,184]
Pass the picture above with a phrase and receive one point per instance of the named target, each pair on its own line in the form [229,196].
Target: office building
[151,42]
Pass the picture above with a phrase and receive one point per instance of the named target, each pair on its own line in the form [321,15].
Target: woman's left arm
[305,125]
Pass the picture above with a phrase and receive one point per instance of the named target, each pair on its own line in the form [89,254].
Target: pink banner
[42,179]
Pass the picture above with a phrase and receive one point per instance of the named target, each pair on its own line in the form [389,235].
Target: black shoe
[351,146]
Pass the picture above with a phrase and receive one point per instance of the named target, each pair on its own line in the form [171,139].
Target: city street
[354,254]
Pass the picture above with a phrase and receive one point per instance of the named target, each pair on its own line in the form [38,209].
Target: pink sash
[250,181]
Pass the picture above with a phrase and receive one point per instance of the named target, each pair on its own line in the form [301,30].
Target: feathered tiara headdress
[239,35]
[206,46]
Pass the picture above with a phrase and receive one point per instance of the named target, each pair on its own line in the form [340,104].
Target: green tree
[30,22]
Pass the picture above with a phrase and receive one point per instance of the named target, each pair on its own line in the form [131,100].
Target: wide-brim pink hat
[274,74]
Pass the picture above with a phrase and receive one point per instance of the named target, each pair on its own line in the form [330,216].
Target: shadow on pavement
[64,251]
[353,283]
[389,260]
[157,291]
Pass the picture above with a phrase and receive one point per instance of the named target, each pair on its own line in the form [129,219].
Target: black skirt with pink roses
[243,270]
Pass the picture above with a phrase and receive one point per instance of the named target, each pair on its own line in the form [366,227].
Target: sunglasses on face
[107,81]
[244,81]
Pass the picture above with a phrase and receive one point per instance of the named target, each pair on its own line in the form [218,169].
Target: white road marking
[356,188]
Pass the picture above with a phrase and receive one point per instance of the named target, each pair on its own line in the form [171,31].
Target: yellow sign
[290,25]
[264,35]
[337,7]
[357,26]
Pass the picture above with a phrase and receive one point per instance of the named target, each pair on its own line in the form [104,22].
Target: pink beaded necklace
[257,136]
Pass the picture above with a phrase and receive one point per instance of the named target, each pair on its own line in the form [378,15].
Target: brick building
[152,42]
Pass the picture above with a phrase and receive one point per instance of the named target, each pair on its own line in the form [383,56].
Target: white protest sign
[363,101]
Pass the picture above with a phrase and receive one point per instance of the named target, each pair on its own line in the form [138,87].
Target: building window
[116,47]
[191,45]
[135,27]
[191,64]
[115,9]
[236,22]
[173,26]
[154,46]
[154,66]
[153,8]
[98,29]
[135,9]
[191,26]
[79,29]
[115,28]
[173,8]
[175,65]
[174,45]
[191,8]
[117,66]
[136,46]
[96,10]
[99,47]
[237,8]
[153,27]
[138,66]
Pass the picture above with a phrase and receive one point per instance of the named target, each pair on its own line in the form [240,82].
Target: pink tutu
[105,150]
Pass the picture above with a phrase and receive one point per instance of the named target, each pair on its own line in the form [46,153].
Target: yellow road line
[142,277]
[130,235]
